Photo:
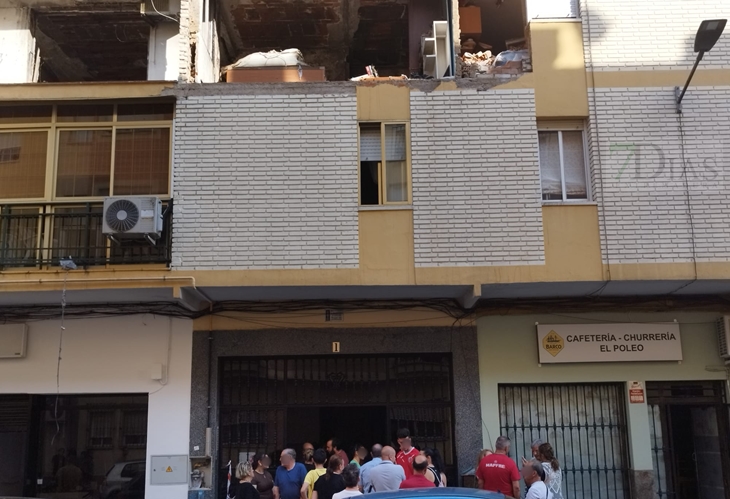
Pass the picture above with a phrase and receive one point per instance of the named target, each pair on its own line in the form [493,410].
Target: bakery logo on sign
[553,343]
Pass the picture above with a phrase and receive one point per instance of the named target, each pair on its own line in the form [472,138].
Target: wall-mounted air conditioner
[162,9]
[133,218]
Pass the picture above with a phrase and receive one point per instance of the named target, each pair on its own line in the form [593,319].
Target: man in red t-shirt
[418,480]
[407,452]
[498,472]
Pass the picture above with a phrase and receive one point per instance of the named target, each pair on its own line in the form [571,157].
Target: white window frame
[589,191]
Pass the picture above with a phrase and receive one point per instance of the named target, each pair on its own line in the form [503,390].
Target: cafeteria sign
[566,343]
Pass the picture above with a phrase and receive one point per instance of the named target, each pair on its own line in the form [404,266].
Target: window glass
[84,163]
[574,165]
[370,148]
[142,161]
[145,112]
[23,164]
[369,184]
[396,166]
[25,114]
[552,187]
[84,113]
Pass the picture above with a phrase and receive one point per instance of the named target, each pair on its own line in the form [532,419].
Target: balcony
[40,236]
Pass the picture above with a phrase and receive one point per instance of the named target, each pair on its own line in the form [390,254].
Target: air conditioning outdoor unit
[163,9]
[133,218]
[723,336]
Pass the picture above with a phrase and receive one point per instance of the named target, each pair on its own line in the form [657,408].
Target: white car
[119,474]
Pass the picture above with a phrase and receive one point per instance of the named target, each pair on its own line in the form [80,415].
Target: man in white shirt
[365,483]
[534,475]
[387,476]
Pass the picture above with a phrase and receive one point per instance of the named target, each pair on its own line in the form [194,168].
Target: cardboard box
[275,74]
[470,20]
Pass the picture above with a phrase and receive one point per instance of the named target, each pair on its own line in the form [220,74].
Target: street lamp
[706,37]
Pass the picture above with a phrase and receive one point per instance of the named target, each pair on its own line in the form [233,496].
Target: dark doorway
[689,433]
[92,445]
[267,404]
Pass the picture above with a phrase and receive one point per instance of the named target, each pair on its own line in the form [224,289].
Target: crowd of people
[329,473]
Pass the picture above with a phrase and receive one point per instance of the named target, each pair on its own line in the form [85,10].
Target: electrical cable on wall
[67,265]
[594,105]
[152,2]
[688,197]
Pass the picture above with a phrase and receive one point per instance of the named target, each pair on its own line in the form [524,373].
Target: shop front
[634,405]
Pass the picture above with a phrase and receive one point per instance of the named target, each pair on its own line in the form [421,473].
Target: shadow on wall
[559,63]
[637,37]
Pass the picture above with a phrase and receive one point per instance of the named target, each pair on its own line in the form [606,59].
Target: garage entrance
[270,403]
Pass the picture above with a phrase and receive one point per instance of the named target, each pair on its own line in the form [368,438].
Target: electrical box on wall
[168,470]
[13,339]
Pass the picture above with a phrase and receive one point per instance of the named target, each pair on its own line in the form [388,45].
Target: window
[563,165]
[552,9]
[384,168]
[100,429]
[134,429]
[23,164]
[81,150]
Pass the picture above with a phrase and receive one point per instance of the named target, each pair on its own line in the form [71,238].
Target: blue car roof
[437,493]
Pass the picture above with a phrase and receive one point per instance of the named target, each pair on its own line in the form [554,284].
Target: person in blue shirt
[289,476]
[365,482]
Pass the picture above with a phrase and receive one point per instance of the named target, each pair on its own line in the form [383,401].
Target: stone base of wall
[641,484]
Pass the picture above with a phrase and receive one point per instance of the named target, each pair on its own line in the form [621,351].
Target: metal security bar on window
[585,424]
[134,429]
[37,236]
[101,435]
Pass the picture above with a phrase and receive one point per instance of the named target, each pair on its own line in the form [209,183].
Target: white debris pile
[273,58]
[475,63]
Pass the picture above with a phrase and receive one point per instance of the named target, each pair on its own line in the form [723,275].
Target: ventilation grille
[122,215]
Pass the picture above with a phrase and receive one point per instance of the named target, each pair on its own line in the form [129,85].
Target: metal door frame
[662,394]
[387,403]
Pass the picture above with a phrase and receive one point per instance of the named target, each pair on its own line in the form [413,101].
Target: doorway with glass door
[689,437]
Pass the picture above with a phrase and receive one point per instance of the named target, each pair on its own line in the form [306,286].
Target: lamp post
[706,37]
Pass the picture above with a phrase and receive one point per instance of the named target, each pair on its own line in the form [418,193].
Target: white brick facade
[266,181]
[476,182]
[642,35]
[643,200]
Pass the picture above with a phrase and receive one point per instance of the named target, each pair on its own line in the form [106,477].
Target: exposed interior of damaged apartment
[263,41]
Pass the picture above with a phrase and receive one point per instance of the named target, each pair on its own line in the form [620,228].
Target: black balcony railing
[40,236]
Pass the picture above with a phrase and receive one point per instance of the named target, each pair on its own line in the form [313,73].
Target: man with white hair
[289,476]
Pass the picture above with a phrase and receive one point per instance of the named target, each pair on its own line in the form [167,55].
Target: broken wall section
[19,54]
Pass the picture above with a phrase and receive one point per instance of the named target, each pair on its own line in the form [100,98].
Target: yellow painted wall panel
[559,68]
[386,247]
[572,243]
[383,102]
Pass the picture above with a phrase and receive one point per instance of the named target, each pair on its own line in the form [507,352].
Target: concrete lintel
[83,91]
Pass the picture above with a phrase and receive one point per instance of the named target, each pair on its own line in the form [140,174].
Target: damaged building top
[208,41]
